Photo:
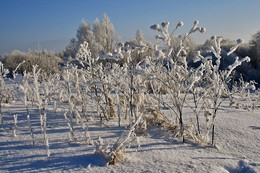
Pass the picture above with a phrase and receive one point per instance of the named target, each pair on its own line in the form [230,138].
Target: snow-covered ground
[237,138]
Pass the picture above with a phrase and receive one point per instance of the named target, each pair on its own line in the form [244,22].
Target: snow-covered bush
[178,78]
[5,93]
[46,60]
[207,82]
[245,95]
[100,36]
[217,82]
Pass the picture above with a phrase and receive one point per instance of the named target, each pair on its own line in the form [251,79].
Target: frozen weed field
[107,111]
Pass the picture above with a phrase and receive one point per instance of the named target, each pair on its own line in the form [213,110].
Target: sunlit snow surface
[237,137]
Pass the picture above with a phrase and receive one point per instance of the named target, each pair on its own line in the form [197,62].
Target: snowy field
[108,114]
[237,139]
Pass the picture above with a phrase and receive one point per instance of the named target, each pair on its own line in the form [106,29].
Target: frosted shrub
[245,96]
[117,152]
[217,82]
[4,91]
[179,80]
[46,60]
[207,83]
[36,92]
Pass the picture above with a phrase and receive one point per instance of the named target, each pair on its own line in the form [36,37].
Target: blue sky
[51,24]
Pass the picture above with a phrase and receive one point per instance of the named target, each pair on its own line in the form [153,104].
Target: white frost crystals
[160,92]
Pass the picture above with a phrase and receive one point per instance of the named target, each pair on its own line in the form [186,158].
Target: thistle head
[196,22]
[155,27]
[180,24]
[213,38]
[202,30]
[165,25]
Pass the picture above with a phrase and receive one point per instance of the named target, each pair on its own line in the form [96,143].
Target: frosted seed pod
[213,37]
[180,24]
[240,41]
[196,22]
[202,30]
[165,24]
[155,27]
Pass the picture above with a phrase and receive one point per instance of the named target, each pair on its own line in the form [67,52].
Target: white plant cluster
[103,91]
[207,83]
[245,96]
[5,93]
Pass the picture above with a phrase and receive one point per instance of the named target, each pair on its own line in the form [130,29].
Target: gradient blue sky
[51,24]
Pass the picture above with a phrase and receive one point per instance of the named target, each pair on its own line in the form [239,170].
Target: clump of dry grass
[111,108]
[117,153]
[156,118]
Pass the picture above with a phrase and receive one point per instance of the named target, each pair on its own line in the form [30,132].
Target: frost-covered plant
[25,93]
[245,95]
[50,86]
[123,81]
[180,54]
[3,89]
[42,98]
[217,82]
[36,91]
[71,136]
[179,80]
[116,153]
[15,124]
[67,77]
[93,77]
[198,93]
[75,95]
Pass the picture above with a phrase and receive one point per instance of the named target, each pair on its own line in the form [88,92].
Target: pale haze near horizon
[48,24]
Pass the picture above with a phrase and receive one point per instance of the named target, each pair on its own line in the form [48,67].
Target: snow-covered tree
[105,33]
[101,36]
[83,32]
[71,49]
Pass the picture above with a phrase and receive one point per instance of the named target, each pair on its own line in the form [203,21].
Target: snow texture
[238,147]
